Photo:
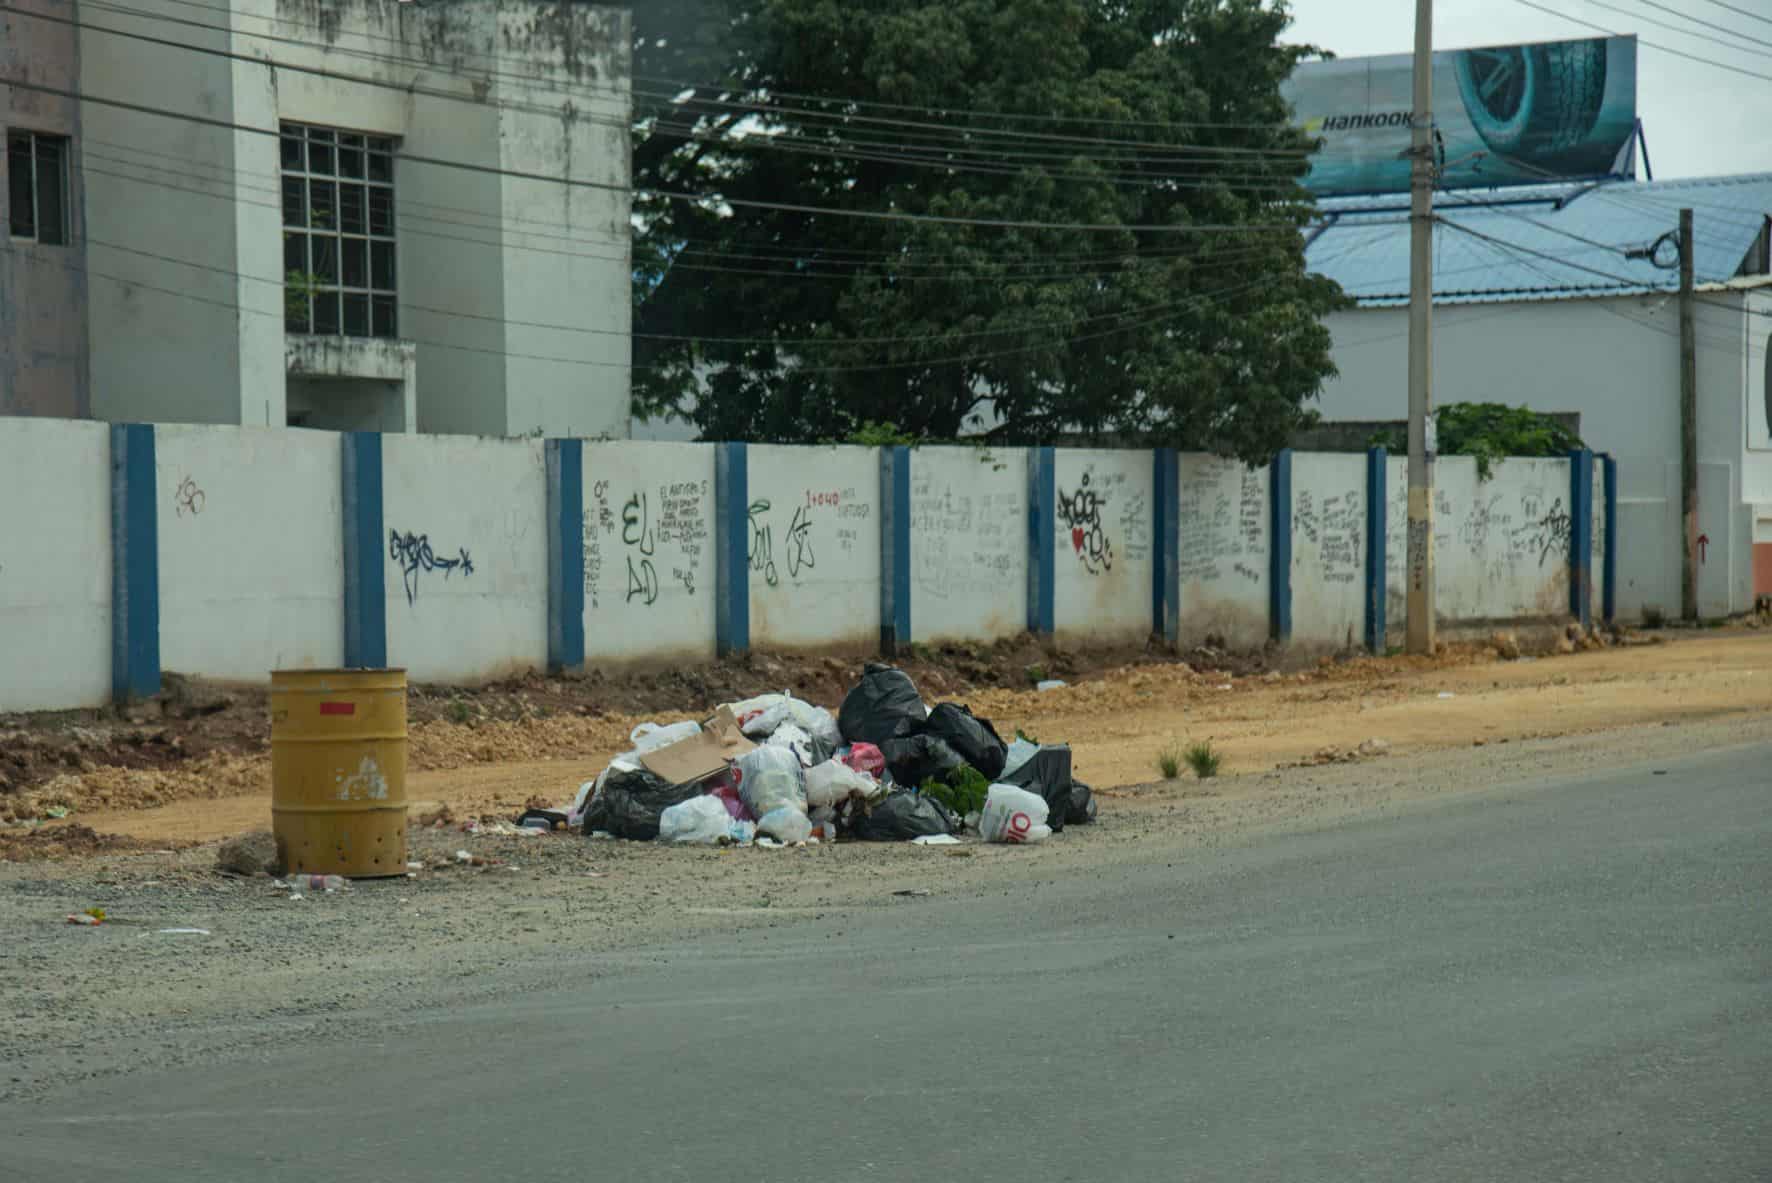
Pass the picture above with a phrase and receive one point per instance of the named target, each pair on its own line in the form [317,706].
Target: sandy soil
[1118,726]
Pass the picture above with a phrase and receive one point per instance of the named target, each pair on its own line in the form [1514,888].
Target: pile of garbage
[774,770]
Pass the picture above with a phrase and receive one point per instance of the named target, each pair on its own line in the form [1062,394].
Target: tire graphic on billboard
[1537,104]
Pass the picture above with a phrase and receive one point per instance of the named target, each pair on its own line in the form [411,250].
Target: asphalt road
[1566,982]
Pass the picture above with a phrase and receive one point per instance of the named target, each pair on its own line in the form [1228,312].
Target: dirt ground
[205,774]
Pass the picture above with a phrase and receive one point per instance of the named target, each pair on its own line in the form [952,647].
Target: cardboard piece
[700,756]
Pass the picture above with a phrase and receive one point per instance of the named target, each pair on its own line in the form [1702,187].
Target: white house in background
[342,214]
[1564,298]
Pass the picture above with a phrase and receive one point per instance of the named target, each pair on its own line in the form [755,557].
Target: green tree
[790,324]
[1491,432]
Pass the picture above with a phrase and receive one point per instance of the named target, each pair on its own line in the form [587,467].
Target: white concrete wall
[1501,546]
[1224,524]
[477,607]
[251,551]
[1328,549]
[1104,525]
[814,547]
[55,565]
[1615,362]
[969,543]
[649,551]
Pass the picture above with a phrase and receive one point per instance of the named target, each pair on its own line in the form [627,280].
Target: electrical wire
[1707,24]
[1681,29]
[1757,16]
[1644,41]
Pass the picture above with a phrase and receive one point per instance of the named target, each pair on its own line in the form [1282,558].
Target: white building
[343,214]
[1561,298]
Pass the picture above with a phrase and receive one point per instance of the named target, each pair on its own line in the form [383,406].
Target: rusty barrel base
[338,771]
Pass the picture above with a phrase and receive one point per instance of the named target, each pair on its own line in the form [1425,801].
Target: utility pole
[1688,427]
[1421,311]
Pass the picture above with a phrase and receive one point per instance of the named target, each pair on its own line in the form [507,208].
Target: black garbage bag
[884,705]
[1082,810]
[632,801]
[975,739]
[1048,773]
[915,760]
[904,815]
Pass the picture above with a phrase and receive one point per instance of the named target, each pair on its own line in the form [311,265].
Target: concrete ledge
[349,357]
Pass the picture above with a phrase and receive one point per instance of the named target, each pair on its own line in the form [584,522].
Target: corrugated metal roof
[1542,242]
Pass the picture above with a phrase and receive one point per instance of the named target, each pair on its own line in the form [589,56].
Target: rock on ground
[249,854]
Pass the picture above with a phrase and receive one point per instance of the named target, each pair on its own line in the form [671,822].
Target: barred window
[37,188]
[338,232]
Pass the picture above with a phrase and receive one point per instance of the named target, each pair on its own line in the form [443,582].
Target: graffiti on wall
[821,517]
[188,499]
[648,538]
[960,538]
[1222,527]
[412,553]
[1080,513]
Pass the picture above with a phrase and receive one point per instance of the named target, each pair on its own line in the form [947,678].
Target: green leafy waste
[963,791]
[1492,432]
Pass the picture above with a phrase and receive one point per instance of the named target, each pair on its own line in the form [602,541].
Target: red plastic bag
[865,757]
[733,802]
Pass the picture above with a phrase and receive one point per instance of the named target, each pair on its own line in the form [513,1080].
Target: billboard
[1506,115]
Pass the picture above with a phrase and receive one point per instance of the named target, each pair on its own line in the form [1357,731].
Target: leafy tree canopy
[796,325]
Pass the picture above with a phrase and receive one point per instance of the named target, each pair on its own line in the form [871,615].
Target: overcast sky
[1699,120]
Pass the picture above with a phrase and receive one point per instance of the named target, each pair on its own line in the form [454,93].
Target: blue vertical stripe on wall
[1042,539]
[366,600]
[1376,510]
[895,549]
[1609,576]
[1581,536]
[732,541]
[1166,571]
[1280,553]
[135,564]
[566,554]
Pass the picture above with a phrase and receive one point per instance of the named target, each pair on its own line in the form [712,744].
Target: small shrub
[1202,759]
[1169,763]
[458,712]
[964,791]
[1036,674]
[1653,617]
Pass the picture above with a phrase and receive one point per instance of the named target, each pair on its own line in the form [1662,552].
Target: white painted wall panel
[1102,586]
[969,543]
[1224,524]
[466,562]
[55,564]
[649,551]
[1328,549]
[251,550]
[814,547]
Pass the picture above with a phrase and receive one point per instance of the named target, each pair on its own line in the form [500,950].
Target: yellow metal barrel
[338,771]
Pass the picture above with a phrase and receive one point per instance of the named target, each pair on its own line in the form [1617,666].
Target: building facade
[340,214]
[1564,298]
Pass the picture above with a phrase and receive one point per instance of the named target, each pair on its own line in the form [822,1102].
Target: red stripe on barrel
[338,708]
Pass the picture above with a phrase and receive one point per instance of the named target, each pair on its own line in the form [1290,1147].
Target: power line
[703,200]
[1644,41]
[1757,16]
[1681,29]
[1707,24]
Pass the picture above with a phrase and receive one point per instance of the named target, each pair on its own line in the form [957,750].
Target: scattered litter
[462,856]
[1374,747]
[415,866]
[935,840]
[1049,684]
[57,811]
[1225,686]
[314,883]
[1446,694]
[914,891]
[768,843]
[173,932]
[87,918]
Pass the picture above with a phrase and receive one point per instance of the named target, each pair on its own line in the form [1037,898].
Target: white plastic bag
[1014,815]
[759,706]
[648,737]
[769,778]
[779,710]
[576,814]
[699,819]
[834,782]
[795,739]
[787,824]
[1020,752]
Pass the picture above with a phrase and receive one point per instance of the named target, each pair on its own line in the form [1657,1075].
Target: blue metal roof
[1542,242]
